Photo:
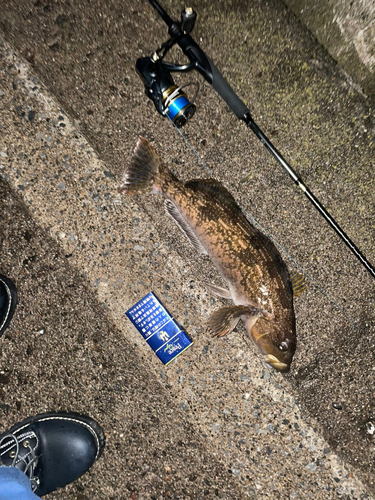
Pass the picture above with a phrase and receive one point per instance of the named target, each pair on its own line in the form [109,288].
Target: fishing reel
[169,99]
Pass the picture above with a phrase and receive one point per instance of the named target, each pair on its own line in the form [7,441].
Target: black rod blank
[275,153]
[159,9]
[214,77]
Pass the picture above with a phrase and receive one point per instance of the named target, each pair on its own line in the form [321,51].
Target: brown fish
[258,280]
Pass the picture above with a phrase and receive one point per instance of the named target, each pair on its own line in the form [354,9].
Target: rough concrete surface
[347,30]
[215,423]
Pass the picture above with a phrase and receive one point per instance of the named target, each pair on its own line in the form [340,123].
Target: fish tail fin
[142,175]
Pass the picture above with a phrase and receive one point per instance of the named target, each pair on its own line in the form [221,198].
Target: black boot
[8,301]
[53,449]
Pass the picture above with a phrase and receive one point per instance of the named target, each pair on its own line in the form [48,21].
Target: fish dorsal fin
[224,320]
[298,281]
[174,212]
[215,190]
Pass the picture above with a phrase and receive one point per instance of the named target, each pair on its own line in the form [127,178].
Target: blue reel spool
[178,108]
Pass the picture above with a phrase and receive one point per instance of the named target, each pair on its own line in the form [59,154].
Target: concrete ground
[215,423]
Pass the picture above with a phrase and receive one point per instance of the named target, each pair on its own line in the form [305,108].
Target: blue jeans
[15,485]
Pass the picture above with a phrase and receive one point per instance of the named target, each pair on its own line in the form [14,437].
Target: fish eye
[283,347]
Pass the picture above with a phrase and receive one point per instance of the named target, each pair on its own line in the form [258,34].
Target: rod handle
[225,91]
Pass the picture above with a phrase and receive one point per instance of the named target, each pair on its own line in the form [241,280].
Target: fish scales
[231,243]
[249,263]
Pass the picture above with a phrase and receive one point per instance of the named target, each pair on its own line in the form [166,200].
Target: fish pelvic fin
[218,290]
[298,281]
[224,320]
[174,212]
[141,175]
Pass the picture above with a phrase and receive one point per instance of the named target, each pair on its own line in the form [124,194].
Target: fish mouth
[275,363]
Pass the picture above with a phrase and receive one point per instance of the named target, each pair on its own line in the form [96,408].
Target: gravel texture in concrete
[64,352]
[73,108]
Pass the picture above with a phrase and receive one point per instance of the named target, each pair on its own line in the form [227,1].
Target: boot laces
[15,447]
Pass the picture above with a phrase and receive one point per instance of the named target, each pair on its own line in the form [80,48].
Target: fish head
[276,343]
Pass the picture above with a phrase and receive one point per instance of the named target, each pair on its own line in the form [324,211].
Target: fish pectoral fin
[174,212]
[224,320]
[218,290]
[298,283]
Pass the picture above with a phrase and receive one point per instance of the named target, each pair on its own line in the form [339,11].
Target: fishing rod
[171,101]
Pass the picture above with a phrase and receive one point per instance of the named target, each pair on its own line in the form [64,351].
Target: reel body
[160,87]
[168,98]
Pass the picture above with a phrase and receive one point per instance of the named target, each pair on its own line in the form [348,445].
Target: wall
[347,29]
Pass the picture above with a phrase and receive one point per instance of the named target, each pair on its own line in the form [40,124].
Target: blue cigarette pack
[162,333]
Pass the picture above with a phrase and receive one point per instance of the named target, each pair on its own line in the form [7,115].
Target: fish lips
[272,362]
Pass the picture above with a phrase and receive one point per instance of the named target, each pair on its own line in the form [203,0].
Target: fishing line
[317,285]
[171,101]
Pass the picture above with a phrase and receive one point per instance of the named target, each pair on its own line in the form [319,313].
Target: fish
[258,281]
